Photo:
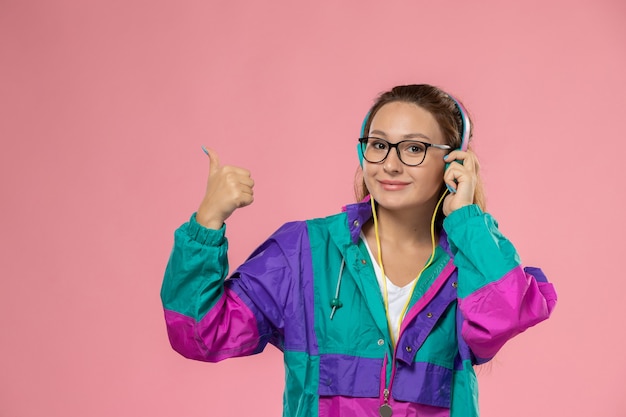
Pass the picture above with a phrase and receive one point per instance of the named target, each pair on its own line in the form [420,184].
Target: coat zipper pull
[385,409]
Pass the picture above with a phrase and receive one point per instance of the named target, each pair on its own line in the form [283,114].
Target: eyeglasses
[410,152]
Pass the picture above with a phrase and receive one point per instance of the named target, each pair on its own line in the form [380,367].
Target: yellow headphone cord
[382,268]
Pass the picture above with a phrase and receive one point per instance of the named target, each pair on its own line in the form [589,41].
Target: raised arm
[205,320]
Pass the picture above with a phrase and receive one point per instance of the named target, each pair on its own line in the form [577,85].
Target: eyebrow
[407,136]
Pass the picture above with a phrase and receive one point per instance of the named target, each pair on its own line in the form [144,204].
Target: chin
[401,203]
[395,203]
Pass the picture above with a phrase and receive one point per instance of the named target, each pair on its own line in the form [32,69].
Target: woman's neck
[405,242]
[407,226]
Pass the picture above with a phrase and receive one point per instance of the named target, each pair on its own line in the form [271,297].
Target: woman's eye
[381,146]
[414,148]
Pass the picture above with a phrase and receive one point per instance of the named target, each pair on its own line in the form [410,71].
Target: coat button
[381,342]
[455,284]
[356,223]
[408,349]
[429,315]
[363,261]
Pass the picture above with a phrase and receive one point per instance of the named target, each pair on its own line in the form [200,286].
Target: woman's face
[394,185]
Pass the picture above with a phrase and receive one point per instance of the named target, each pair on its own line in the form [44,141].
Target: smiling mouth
[393,185]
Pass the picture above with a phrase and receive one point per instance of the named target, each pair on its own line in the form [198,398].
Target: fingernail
[446,156]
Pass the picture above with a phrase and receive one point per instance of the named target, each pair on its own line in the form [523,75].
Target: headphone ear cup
[465,132]
[359,151]
[358,145]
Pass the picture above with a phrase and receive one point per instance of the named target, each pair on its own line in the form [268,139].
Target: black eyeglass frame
[363,142]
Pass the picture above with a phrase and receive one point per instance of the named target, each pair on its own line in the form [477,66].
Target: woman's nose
[392,163]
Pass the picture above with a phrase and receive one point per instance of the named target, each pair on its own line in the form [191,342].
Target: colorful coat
[472,299]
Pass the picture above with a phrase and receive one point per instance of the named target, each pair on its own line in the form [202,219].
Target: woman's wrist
[209,220]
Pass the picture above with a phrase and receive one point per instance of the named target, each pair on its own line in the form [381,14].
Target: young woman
[382,309]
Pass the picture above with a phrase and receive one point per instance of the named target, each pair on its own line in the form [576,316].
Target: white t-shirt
[397,296]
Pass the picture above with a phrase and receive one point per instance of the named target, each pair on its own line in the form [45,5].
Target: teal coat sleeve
[206,320]
[498,297]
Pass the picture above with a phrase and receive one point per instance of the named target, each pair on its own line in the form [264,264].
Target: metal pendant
[385,410]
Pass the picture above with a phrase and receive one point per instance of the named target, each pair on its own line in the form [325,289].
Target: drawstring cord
[335,303]
[382,268]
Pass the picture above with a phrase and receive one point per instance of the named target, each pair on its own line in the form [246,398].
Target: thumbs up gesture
[228,188]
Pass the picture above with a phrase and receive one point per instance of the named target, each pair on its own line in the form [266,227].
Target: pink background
[104,105]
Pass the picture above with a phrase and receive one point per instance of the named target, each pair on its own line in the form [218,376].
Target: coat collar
[359,213]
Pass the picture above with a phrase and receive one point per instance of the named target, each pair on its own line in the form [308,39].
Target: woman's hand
[228,188]
[463,177]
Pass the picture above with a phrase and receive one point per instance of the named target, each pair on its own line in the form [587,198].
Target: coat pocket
[350,376]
